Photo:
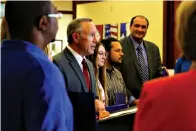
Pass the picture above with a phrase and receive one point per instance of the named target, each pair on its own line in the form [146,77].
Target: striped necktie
[143,66]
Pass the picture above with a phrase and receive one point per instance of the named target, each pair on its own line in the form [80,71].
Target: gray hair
[186,28]
[75,26]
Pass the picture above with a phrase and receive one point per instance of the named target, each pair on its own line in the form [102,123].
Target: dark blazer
[68,65]
[130,68]
[77,90]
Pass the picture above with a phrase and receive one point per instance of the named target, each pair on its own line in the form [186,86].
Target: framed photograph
[2,9]
[56,47]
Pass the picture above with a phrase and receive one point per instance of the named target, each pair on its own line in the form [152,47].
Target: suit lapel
[133,55]
[148,52]
[74,64]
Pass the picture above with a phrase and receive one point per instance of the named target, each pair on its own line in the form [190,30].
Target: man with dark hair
[141,61]
[168,104]
[78,71]
[33,90]
[141,16]
[114,80]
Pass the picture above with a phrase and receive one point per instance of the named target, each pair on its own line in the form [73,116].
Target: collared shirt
[136,44]
[115,84]
[77,56]
[34,88]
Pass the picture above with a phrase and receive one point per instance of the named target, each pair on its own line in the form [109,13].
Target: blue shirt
[182,65]
[34,96]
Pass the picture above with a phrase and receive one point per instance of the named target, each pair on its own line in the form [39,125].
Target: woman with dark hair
[98,60]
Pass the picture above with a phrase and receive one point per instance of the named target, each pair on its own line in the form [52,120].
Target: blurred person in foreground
[33,90]
[168,104]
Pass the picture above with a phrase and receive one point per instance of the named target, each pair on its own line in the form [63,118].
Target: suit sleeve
[56,63]
[128,92]
[131,99]
[158,63]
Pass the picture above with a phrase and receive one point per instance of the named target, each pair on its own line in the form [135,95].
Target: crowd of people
[126,71]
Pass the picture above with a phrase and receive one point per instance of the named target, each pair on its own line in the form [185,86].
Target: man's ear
[75,37]
[43,23]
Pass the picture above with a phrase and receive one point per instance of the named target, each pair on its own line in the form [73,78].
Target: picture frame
[2,9]
[56,47]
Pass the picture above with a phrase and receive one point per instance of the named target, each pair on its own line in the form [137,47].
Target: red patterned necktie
[86,74]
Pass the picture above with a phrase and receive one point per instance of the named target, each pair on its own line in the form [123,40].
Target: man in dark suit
[168,104]
[76,69]
[141,61]
[33,95]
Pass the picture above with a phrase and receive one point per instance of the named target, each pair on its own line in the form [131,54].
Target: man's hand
[136,102]
[166,71]
[103,114]
[99,106]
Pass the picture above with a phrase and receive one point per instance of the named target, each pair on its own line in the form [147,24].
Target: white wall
[63,5]
[62,32]
[64,21]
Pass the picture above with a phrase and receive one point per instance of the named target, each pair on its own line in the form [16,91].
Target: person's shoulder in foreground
[34,94]
[44,96]
[167,104]
[59,114]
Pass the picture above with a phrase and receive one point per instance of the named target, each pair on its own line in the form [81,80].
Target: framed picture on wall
[56,47]
[2,9]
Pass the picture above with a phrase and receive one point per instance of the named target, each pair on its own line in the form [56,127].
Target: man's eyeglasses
[58,15]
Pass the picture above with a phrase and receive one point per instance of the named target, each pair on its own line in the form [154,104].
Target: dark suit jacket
[168,104]
[83,103]
[68,65]
[130,68]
